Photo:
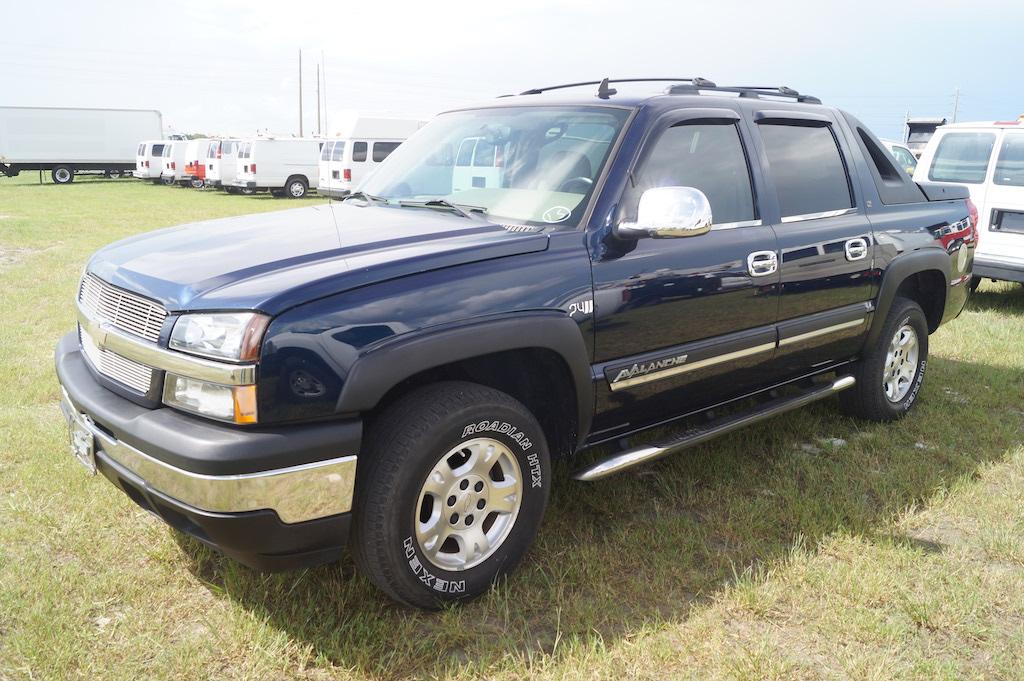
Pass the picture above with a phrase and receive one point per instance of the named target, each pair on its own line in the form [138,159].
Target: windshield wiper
[363,196]
[460,209]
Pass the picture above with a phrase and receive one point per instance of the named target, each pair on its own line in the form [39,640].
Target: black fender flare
[373,374]
[896,273]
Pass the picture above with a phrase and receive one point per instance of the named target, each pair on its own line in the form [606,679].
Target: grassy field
[812,546]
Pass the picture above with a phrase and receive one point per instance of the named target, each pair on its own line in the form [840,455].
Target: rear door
[683,323]
[824,238]
[1004,206]
[324,179]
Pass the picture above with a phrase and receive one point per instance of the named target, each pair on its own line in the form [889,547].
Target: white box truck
[283,166]
[73,141]
[349,157]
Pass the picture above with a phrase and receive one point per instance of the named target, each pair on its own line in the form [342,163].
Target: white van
[195,161]
[221,157]
[284,166]
[351,156]
[174,163]
[149,162]
[988,158]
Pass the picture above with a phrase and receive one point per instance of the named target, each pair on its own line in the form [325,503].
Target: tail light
[147,164]
[218,152]
[346,174]
[253,168]
[172,165]
[973,210]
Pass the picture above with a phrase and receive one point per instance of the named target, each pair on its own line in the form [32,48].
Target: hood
[273,261]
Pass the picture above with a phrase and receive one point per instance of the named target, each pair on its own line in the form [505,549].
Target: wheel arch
[922,276]
[538,358]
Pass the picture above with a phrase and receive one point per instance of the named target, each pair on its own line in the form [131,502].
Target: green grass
[771,553]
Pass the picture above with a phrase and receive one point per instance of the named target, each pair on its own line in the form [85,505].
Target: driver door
[684,323]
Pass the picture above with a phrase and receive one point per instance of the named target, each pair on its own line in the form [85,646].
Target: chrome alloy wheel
[900,363]
[468,504]
[296,189]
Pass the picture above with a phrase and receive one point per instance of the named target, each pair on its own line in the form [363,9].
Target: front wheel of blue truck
[453,488]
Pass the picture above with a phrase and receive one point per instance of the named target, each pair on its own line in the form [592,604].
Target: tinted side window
[338,153]
[807,168]
[359,152]
[157,150]
[325,151]
[381,150]
[707,156]
[1010,166]
[962,157]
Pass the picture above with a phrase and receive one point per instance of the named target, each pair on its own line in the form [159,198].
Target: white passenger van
[149,162]
[988,158]
[353,154]
[221,157]
[284,166]
[174,163]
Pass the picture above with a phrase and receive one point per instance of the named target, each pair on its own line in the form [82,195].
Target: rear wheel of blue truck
[453,485]
[890,373]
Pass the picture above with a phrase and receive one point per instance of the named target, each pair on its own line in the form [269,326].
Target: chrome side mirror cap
[668,212]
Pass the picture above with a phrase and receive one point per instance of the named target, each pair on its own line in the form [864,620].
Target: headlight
[235,404]
[233,336]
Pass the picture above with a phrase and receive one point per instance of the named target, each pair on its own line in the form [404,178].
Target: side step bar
[637,455]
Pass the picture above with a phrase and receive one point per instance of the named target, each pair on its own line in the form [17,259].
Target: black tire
[416,434]
[868,399]
[167,181]
[196,183]
[296,187]
[63,175]
[113,174]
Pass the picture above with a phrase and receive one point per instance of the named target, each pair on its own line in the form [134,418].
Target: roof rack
[682,86]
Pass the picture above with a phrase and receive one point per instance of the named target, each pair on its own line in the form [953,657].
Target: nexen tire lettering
[425,576]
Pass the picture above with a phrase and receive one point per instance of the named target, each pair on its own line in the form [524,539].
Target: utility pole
[956,104]
[322,61]
[319,130]
[300,93]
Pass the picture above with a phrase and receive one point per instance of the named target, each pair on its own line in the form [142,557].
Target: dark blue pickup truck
[518,282]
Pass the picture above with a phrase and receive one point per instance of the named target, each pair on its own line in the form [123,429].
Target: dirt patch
[12,256]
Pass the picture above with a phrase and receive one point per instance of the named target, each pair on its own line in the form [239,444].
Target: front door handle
[762,263]
[856,249]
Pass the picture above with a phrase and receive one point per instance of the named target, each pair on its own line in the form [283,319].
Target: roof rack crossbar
[683,86]
[701,82]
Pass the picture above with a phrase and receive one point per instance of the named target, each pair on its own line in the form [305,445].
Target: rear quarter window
[962,157]
[338,153]
[325,151]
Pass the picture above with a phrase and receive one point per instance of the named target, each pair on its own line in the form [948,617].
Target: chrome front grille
[112,365]
[124,311]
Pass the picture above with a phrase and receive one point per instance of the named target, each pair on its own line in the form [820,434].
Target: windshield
[530,165]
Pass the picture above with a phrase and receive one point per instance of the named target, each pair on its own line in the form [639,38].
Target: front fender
[376,372]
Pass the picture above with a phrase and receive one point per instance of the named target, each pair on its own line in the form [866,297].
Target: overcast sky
[230,67]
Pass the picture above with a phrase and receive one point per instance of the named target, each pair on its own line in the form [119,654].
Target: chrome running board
[637,455]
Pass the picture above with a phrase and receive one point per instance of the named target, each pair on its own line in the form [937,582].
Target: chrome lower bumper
[296,494]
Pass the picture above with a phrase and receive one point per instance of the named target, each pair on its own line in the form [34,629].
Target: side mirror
[668,212]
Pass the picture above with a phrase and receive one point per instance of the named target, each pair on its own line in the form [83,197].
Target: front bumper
[224,485]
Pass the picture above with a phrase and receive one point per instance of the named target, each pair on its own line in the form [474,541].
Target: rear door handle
[762,263]
[856,249]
